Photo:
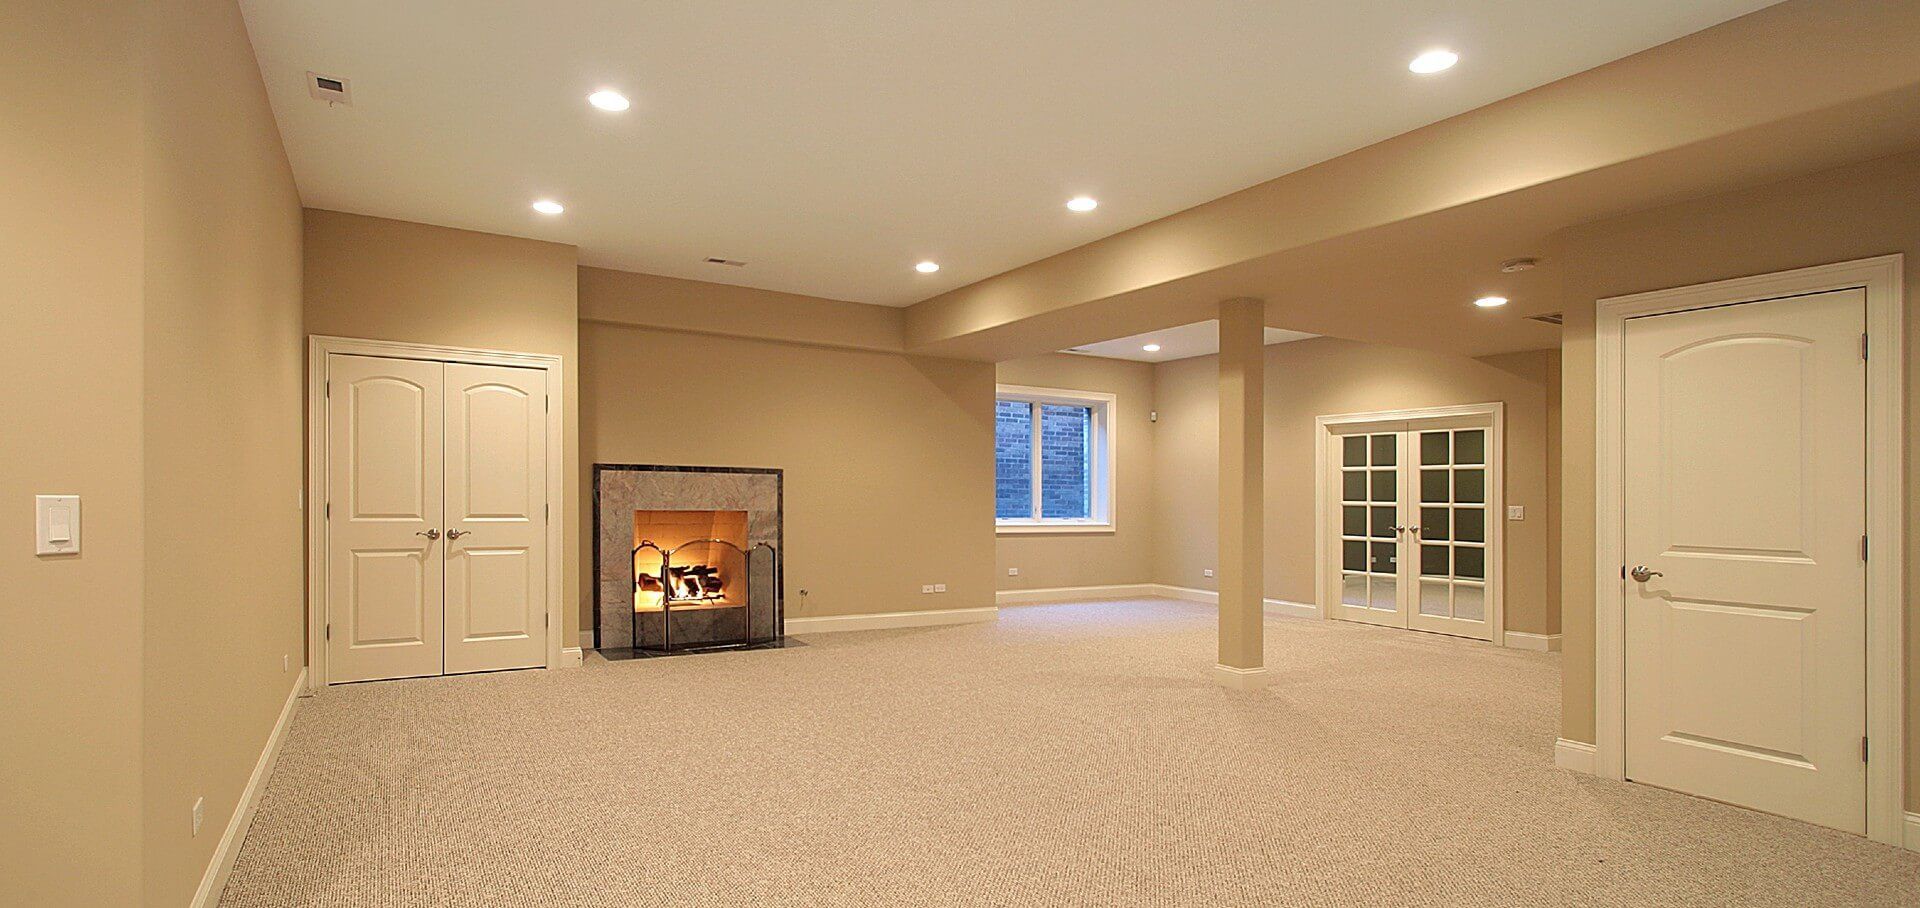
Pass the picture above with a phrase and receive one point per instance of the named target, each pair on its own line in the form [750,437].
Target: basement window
[1053,460]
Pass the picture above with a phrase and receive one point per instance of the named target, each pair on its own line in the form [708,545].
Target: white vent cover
[331,89]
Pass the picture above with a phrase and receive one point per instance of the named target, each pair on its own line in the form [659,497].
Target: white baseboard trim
[214,881]
[1242,678]
[1575,755]
[572,657]
[1284,607]
[1539,643]
[1077,594]
[1913,831]
[883,620]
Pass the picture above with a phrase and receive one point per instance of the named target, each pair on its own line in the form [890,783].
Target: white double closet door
[1412,537]
[435,518]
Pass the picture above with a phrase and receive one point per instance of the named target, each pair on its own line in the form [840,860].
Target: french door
[435,517]
[1411,538]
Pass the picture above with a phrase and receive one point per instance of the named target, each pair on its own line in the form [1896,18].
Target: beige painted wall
[400,281]
[1311,378]
[888,458]
[224,594]
[70,336]
[1854,212]
[1072,559]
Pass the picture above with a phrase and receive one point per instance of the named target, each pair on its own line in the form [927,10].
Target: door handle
[1642,574]
[430,534]
[456,534]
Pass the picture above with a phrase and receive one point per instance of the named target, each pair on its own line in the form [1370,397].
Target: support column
[1242,496]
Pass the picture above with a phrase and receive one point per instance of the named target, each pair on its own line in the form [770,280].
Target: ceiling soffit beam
[1796,58]
[678,304]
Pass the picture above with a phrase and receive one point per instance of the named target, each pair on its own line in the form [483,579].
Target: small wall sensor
[331,89]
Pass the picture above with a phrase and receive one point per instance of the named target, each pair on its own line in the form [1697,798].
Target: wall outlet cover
[1013,572]
[1516,512]
[939,587]
[1207,573]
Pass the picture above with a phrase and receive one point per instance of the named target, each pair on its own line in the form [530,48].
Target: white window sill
[1048,528]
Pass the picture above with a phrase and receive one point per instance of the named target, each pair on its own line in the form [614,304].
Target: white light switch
[56,522]
[1516,512]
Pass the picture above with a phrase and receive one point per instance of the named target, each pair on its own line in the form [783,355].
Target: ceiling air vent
[728,262]
[329,89]
[1551,318]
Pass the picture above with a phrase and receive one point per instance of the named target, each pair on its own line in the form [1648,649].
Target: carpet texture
[1066,755]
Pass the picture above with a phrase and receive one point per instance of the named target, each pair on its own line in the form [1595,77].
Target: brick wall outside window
[1012,459]
[1066,487]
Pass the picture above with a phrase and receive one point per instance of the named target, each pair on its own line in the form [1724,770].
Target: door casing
[1326,507]
[1881,279]
[318,347]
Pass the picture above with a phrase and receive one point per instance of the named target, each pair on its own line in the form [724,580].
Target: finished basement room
[1006,454]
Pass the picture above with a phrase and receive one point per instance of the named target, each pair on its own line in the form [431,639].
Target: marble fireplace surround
[621,489]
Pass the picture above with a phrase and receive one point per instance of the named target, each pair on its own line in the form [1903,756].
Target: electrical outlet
[926,588]
[199,813]
[1207,573]
[1516,512]
[939,587]
[1013,572]
[286,663]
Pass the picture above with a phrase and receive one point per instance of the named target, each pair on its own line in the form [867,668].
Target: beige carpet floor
[1066,755]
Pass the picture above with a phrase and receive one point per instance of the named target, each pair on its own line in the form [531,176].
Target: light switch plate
[1516,512]
[56,524]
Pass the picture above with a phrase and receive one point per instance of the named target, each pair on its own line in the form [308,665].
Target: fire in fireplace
[695,559]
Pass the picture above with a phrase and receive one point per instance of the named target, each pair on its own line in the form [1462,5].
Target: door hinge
[1863,346]
[549,403]
[328,509]
[1863,546]
[329,389]
[1863,748]
[329,632]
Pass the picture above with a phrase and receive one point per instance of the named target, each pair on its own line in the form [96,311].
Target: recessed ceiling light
[548,206]
[1434,61]
[1082,203]
[1490,302]
[1151,348]
[926,267]
[606,99]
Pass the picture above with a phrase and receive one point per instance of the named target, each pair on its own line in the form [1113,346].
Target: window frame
[1101,471]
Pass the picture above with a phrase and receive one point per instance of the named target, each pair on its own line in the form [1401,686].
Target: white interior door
[496,508]
[1411,528]
[1743,457]
[383,552]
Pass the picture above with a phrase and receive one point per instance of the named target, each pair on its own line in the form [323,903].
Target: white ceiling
[1184,342]
[831,145]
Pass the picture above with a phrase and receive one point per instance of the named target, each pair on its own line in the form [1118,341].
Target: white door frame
[1323,506]
[318,347]
[1886,496]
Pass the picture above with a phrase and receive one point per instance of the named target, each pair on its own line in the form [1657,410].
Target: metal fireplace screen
[694,583]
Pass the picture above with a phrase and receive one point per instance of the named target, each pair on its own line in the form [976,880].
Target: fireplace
[687,559]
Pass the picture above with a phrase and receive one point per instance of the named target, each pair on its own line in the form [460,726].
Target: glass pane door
[1452,529]
[1410,523]
[1369,531]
